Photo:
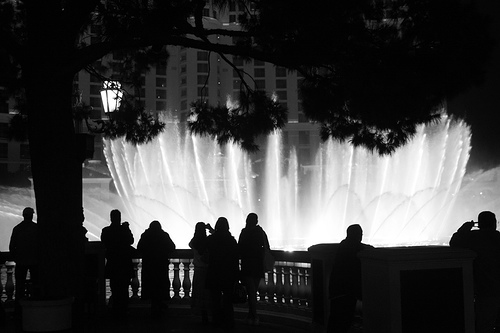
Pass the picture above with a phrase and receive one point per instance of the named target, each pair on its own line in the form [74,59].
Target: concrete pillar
[417,289]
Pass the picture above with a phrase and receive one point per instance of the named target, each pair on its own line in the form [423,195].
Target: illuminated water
[417,196]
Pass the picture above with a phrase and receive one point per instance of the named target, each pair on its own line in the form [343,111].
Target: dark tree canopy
[372,70]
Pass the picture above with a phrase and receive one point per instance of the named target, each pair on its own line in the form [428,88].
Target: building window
[95,89]
[202,56]
[303,118]
[4,130]
[238,61]
[95,102]
[232,18]
[183,92]
[183,57]
[236,84]
[280,84]
[95,79]
[184,105]
[282,95]
[161,105]
[183,81]
[161,69]
[259,72]
[161,82]
[161,94]
[4,150]
[235,72]
[260,84]
[183,69]
[202,79]
[304,137]
[203,68]
[202,91]
[280,72]
[24,151]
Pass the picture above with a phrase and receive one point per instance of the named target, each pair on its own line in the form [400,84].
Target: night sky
[480,106]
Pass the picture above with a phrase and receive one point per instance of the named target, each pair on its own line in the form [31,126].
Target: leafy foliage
[254,114]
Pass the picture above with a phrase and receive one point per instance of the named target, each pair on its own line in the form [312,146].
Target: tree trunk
[57,179]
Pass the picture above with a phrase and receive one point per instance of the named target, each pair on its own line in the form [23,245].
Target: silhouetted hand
[467,226]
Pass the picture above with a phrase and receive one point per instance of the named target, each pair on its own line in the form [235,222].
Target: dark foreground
[177,318]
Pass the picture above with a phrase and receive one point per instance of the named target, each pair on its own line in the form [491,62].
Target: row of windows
[24,150]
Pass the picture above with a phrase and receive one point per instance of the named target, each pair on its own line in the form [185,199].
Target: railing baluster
[135,284]
[271,288]
[286,284]
[279,284]
[177,280]
[302,286]
[295,286]
[9,285]
[186,281]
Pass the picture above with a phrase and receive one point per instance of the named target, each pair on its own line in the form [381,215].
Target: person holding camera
[200,294]
[485,242]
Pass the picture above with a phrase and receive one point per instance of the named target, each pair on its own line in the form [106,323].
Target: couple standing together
[216,261]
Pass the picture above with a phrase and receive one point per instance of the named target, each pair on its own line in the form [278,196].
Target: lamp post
[111,96]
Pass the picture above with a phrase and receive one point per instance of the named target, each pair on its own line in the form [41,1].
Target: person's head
[222,225]
[155,225]
[252,220]
[28,213]
[115,216]
[200,229]
[487,220]
[354,232]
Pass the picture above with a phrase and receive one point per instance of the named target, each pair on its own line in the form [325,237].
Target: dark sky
[480,106]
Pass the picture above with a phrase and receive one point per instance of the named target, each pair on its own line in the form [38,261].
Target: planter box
[46,316]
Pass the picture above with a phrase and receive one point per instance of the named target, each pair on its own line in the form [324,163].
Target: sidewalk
[177,318]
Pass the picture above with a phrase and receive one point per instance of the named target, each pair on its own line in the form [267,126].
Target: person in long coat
[156,247]
[222,273]
[252,244]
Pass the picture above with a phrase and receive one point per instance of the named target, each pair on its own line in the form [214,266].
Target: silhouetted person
[252,244]
[156,247]
[485,242]
[117,239]
[222,274]
[200,294]
[23,248]
[345,280]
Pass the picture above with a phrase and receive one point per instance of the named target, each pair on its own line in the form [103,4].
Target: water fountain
[419,195]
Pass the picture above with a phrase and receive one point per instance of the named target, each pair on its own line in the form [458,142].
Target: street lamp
[111,96]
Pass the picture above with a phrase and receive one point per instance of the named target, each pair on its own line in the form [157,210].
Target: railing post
[176,283]
[270,286]
[135,284]
[295,286]
[186,281]
[286,285]
[279,284]
[9,285]
[302,286]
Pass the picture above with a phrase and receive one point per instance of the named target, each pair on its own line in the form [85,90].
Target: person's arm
[461,236]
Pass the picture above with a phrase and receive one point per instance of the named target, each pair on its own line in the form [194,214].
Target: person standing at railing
[156,247]
[200,294]
[345,281]
[252,244]
[118,239]
[222,273]
[23,248]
